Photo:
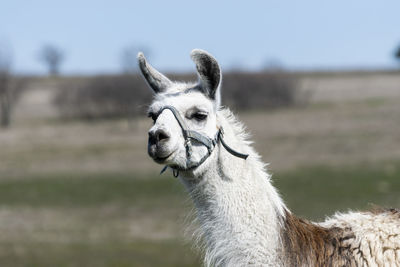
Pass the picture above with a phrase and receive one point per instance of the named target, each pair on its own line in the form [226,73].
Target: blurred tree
[397,53]
[5,105]
[10,86]
[52,57]
[128,58]
[272,65]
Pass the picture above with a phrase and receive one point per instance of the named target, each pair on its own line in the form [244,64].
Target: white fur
[238,209]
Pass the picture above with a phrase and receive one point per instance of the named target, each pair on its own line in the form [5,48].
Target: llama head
[177,106]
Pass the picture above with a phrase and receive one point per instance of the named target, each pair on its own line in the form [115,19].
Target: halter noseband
[188,135]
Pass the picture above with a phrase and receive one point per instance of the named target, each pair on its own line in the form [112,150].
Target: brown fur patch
[307,244]
[390,211]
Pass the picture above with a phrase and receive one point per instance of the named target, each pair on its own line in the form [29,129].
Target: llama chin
[242,219]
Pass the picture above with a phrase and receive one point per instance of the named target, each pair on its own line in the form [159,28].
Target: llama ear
[208,71]
[158,82]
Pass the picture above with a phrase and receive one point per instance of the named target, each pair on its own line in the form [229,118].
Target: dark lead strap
[229,149]
[188,135]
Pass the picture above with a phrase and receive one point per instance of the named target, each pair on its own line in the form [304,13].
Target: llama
[242,219]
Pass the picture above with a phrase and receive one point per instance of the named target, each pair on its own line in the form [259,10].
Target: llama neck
[239,211]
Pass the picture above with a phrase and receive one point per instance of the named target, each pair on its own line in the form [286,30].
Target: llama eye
[199,116]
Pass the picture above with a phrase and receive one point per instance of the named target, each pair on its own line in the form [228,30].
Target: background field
[79,193]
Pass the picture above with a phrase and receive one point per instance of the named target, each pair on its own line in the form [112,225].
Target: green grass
[86,199]
[77,190]
[312,192]
[141,253]
[316,192]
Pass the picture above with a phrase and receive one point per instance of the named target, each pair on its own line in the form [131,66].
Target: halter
[190,135]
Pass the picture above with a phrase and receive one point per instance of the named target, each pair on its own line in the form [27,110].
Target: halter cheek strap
[190,135]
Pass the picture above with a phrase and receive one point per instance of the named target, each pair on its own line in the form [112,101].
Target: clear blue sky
[246,34]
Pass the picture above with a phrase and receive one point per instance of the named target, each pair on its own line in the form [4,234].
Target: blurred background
[317,83]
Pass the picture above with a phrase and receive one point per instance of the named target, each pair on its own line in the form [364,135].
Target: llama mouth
[162,159]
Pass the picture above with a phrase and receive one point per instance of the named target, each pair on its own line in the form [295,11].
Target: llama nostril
[157,137]
[152,138]
[161,135]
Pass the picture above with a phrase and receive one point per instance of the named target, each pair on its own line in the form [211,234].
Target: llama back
[352,239]
[376,236]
